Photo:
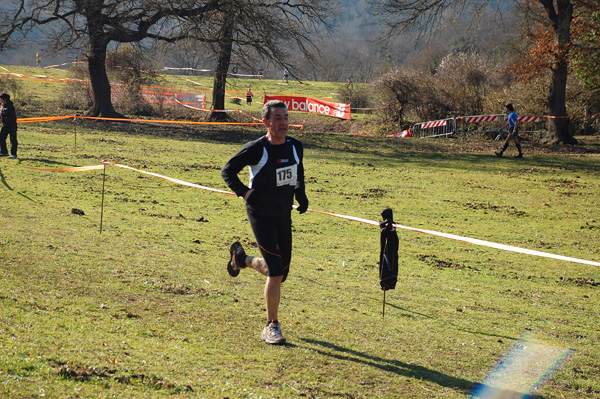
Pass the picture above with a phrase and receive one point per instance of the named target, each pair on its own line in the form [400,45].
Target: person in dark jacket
[276,178]
[9,126]
[249,96]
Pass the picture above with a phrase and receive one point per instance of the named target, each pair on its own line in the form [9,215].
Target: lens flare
[525,368]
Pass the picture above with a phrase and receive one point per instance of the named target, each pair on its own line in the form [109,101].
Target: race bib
[287,176]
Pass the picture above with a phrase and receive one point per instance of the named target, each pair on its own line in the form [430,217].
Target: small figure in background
[249,96]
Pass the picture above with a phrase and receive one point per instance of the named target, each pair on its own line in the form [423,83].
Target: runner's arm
[246,156]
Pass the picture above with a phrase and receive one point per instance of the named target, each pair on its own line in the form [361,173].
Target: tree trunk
[99,79]
[558,123]
[223,62]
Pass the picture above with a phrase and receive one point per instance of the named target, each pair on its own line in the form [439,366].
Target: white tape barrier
[499,246]
[177,181]
[468,240]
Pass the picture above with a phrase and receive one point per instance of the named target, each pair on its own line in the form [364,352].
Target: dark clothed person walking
[9,126]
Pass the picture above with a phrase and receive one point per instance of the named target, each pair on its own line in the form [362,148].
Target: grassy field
[147,309]
[40,84]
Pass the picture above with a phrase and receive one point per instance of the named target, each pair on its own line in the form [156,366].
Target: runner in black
[276,177]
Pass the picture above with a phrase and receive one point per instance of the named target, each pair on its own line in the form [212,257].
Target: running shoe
[237,261]
[272,334]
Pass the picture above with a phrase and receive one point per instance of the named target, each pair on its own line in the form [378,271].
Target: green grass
[146,308]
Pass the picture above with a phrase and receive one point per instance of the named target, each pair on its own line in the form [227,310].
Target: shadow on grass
[392,366]
[437,158]
[413,371]
[48,162]
[5,184]
[449,324]
[442,154]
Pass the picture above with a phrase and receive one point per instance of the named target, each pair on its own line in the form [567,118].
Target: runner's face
[277,125]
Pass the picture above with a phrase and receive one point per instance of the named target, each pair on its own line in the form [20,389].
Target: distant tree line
[269,30]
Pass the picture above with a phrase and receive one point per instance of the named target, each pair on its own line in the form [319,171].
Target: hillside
[355,47]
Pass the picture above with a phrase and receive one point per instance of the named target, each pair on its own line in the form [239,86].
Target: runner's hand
[302,202]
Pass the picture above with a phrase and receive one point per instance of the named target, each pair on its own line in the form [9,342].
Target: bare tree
[250,29]
[186,54]
[94,24]
[411,94]
[467,78]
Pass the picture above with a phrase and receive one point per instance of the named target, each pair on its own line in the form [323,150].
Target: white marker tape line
[68,169]
[469,240]
[499,246]
[184,183]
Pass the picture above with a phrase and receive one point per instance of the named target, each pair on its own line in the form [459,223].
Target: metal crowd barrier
[439,128]
[465,125]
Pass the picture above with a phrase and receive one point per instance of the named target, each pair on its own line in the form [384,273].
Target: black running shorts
[274,238]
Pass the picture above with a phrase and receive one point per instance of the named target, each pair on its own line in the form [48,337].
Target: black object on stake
[388,256]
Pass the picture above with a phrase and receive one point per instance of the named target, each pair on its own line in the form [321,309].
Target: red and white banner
[483,118]
[428,125]
[530,119]
[314,106]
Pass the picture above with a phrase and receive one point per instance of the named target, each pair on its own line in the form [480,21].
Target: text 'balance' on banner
[314,106]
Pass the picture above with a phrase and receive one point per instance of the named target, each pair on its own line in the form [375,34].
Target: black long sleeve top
[276,175]
[8,114]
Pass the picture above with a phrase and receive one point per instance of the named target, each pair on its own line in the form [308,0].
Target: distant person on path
[260,73]
[512,121]
[285,75]
[38,60]
[249,96]
[9,126]
[276,177]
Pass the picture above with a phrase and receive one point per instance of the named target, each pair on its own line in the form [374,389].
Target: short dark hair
[510,107]
[5,96]
[266,111]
